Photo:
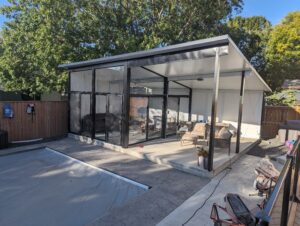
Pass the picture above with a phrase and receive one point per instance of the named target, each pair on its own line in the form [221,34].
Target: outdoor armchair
[199,131]
[223,139]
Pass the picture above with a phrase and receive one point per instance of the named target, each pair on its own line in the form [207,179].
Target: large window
[146,105]
[110,80]
[145,109]
[80,103]
[145,82]
[109,84]
[177,89]
[145,118]
[81,81]
[155,117]
[101,109]
[172,115]
[138,119]
[183,110]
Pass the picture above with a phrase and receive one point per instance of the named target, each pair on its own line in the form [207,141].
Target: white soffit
[232,62]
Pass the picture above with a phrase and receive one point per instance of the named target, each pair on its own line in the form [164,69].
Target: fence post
[286,197]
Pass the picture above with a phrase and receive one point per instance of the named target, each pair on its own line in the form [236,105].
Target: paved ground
[238,180]
[170,187]
[268,148]
[59,190]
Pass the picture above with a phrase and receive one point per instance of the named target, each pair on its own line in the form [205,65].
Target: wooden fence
[275,115]
[49,120]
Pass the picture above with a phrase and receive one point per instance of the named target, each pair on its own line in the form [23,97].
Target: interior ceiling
[186,72]
[229,62]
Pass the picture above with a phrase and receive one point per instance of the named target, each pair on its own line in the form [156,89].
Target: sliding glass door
[145,118]
[109,104]
[172,115]
[155,117]
[138,114]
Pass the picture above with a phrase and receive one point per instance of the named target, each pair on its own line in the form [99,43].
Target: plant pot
[203,162]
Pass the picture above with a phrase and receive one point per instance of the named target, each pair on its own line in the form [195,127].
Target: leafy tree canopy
[283,98]
[250,34]
[41,34]
[283,51]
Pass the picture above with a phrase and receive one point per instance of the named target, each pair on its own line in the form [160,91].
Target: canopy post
[93,104]
[165,108]
[190,103]
[240,115]
[214,110]
[69,102]
[126,107]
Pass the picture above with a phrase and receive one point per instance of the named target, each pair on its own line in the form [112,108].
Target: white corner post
[214,110]
[240,115]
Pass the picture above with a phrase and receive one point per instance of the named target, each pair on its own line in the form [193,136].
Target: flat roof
[172,49]
[161,59]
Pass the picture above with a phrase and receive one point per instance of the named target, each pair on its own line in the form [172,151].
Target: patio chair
[223,139]
[199,131]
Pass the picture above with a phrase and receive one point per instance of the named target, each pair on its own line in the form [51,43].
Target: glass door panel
[172,115]
[155,117]
[137,119]
[101,109]
[113,118]
[75,113]
[183,110]
[86,116]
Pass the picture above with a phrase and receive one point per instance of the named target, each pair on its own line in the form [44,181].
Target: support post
[93,104]
[69,103]
[214,110]
[262,118]
[165,108]
[240,114]
[190,104]
[126,108]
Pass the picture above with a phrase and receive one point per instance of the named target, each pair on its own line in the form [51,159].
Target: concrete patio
[170,152]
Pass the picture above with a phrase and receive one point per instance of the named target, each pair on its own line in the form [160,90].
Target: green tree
[283,51]
[129,25]
[41,34]
[250,34]
[283,98]
[38,36]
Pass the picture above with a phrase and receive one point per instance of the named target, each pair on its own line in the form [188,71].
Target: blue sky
[273,10]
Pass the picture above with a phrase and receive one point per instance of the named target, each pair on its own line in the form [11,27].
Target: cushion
[224,133]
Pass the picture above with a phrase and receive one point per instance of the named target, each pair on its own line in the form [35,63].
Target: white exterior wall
[227,109]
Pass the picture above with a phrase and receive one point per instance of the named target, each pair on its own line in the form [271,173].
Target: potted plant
[202,157]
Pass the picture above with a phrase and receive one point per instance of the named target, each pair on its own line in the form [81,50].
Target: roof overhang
[188,62]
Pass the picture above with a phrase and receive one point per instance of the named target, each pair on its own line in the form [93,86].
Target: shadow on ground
[268,148]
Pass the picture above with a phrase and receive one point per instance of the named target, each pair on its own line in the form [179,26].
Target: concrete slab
[170,152]
[237,180]
[44,187]
[170,187]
